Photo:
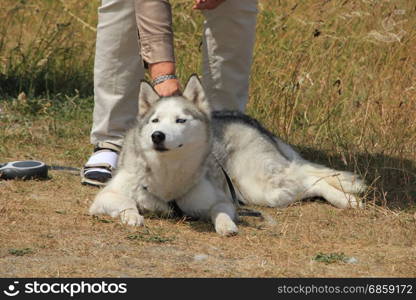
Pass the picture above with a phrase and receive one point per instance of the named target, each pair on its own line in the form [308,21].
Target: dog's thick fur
[178,148]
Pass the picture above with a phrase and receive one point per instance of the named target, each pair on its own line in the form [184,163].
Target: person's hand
[207,4]
[170,87]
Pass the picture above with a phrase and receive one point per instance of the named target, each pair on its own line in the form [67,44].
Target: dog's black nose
[158,137]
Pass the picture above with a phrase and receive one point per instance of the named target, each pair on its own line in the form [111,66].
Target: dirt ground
[46,232]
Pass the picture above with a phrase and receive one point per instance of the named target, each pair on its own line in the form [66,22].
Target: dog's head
[177,122]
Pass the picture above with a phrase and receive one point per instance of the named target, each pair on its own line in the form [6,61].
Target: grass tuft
[330,258]
[20,252]
[149,237]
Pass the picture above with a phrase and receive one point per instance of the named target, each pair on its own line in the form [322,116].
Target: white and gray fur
[267,171]
[183,169]
[186,166]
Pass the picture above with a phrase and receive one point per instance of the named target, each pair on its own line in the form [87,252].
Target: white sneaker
[99,167]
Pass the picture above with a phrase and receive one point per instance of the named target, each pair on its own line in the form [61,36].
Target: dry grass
[50,219]
[336,79]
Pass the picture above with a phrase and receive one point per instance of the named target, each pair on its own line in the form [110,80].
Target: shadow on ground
[392,185]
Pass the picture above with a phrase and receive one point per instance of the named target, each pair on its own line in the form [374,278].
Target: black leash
[231,187]
[33,169]
[71,170]
[176,211]
[242,212]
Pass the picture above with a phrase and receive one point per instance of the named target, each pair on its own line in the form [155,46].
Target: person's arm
[154,22]
[207,4]
[169,87]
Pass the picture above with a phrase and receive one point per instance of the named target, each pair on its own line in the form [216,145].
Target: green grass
[148,237]
[20,252]
[44,51]
[330,258]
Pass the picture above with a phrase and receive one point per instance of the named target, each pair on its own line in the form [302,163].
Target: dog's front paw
[131,217]
[224,225]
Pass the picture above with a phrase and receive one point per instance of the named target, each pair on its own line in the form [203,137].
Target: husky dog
[174,157]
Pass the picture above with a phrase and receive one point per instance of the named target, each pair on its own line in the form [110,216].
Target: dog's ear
[147,97]
[195,93]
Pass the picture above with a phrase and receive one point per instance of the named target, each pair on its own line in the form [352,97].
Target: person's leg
[118,69]
[228,41]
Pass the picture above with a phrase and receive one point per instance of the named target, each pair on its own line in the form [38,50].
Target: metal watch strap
[163,78]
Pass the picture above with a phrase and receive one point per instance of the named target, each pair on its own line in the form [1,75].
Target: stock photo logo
[11,290]
[65,288]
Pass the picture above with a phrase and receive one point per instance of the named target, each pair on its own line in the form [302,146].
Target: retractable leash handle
[27,169]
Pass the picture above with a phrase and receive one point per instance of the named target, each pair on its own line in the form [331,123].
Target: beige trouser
[229,33]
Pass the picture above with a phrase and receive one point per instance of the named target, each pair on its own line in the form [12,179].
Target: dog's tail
[338,187]
[343,181]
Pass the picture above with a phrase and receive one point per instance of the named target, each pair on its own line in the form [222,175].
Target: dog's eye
[180,120]
[155,120]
